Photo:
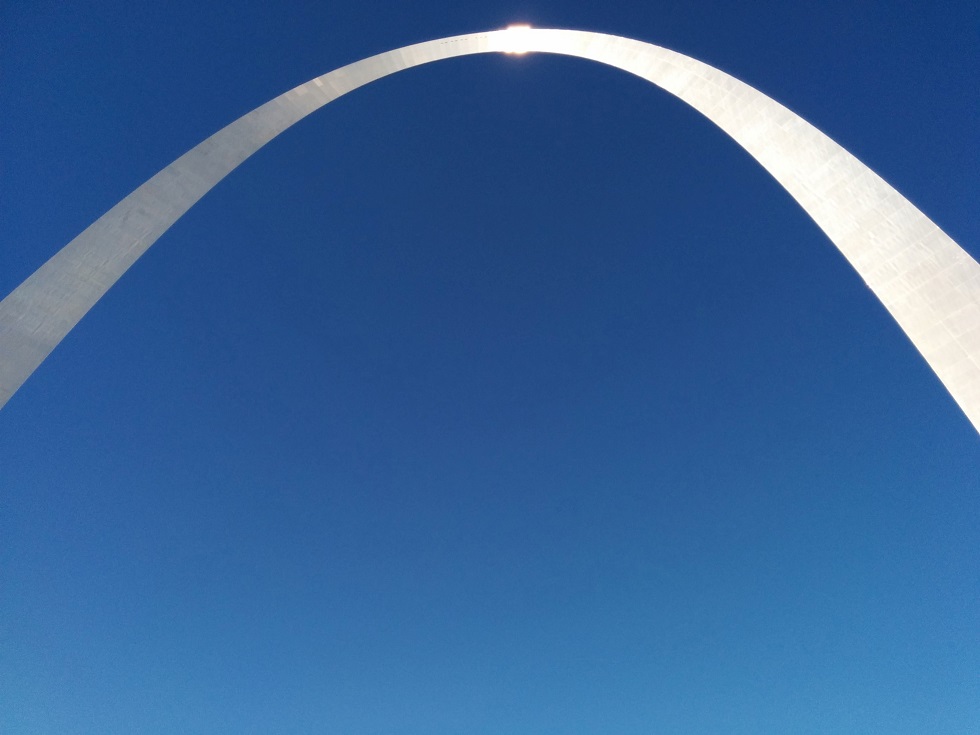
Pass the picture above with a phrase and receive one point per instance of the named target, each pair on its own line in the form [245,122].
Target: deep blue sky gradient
[504,395]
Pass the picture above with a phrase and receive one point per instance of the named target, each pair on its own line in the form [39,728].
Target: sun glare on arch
[517,39]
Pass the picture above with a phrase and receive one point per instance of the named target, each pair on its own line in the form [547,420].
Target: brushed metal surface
[929,284]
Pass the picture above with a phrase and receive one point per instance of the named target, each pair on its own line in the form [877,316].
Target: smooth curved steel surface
[929,284]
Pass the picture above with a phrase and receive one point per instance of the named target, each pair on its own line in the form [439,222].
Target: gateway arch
[929,284]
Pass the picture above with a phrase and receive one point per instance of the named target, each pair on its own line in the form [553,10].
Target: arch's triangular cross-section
[929,284]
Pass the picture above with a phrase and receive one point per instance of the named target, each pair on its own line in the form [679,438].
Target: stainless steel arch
[929,284]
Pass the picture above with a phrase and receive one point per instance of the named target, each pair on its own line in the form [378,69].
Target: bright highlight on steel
[518,40]
[929,284]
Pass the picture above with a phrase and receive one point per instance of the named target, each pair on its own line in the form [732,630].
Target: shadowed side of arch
[929,284]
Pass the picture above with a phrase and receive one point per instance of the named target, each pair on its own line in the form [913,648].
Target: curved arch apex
[929,284]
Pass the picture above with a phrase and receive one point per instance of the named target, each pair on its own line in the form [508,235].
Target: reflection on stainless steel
[930,285]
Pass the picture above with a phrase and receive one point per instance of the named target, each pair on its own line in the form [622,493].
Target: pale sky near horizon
[504,395]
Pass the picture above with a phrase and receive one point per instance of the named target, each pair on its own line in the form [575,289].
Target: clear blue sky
[505,395]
